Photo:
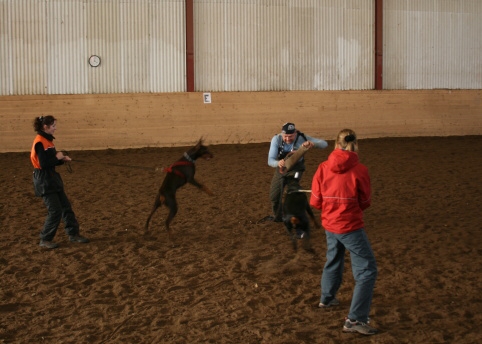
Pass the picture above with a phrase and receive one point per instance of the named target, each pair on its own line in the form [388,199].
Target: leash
[70,170]
[117,165]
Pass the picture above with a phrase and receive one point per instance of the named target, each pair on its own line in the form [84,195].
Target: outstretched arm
[318,143]
[273,152]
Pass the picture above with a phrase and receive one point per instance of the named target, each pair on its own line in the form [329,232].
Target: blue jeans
[364,268]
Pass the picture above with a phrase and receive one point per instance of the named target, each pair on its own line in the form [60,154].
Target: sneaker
[332,303]
[48,244]
[78,238]
[358,327]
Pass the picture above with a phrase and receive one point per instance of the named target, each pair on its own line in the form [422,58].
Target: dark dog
[178,174]
[297,212]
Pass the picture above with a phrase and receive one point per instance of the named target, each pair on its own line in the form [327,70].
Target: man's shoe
[48,244]
[78,238]
[358,327]
[332,303]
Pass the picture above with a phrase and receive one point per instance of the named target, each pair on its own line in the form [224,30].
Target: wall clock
[94,61]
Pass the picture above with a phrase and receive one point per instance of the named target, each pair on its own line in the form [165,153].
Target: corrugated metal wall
[272,45]
[27,49]
[240,45]
[45,46]
[65,48]
[432,44]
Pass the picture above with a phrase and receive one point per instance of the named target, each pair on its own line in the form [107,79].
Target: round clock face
[94,61]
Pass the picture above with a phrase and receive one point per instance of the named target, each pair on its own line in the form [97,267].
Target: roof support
[190,45]
[378,44]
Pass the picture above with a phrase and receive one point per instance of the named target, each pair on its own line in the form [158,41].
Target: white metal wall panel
[240,45]
[209,39]
[333,45]
[45,46]
[273,48]
[240,58]
[104,38]
[432,44]
[141,44]
[167,62]
[271,45]
[134,30]
[5,51]
[28,50]
[65,45]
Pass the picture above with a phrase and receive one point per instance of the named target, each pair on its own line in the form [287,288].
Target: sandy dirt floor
[230,279]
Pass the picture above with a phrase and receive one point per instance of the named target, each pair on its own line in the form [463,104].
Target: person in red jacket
[49,185]
[341,190]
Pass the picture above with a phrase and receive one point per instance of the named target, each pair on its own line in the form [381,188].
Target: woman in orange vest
[49,185]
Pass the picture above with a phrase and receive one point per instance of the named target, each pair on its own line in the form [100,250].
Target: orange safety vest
[33,155]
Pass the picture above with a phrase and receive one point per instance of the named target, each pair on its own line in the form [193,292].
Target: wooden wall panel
[118,121]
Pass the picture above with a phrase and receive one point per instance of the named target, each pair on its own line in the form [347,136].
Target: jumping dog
[177,175]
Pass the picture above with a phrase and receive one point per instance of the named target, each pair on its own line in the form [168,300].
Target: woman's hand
[61,156]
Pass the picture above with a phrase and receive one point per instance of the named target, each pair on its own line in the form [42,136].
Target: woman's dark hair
[39,122]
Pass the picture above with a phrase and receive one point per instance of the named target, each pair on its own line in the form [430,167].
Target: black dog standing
[178,174]
[297,212]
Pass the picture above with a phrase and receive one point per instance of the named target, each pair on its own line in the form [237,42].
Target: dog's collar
[189,158]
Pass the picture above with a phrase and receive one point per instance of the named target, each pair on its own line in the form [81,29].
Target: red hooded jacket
[341,190]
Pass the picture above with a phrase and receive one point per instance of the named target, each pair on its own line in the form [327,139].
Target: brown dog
[178,174]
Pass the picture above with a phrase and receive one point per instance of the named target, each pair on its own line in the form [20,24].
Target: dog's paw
[307,246]
[206,190]
[295,246]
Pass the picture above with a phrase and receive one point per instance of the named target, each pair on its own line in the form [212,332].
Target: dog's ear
[199,143]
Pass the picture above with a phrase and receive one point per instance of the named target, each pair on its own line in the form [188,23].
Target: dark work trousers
[59,208]
[276,194]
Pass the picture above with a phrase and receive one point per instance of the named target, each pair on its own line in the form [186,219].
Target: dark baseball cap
[288,128]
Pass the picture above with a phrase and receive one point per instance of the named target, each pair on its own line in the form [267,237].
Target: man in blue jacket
[282,144]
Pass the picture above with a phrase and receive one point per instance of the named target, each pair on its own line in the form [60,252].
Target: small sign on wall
[207,98]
